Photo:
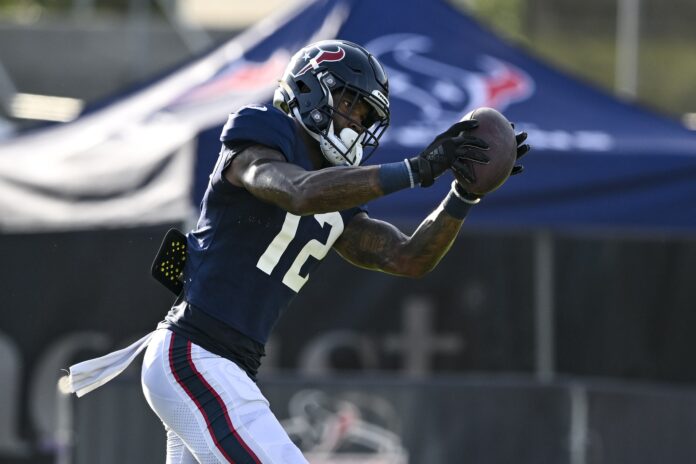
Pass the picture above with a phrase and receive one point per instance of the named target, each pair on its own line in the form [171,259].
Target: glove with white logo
[448,148]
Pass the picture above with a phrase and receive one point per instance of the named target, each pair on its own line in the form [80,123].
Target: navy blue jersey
[248,258]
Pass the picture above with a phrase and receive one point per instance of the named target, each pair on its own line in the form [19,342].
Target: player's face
[352,112]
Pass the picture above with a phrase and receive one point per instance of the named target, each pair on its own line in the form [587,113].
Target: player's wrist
[464,195]
[458,202]
[415,164]
[424,172]
[397,176]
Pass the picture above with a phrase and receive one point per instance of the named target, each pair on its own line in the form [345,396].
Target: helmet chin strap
[335,149]
[347,138]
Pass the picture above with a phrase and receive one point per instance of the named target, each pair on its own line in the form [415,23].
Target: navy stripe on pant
[209,403]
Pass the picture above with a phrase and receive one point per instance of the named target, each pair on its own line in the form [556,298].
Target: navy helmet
[325,73]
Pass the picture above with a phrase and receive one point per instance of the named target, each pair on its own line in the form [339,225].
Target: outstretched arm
[378,245]
[264,172]
[266,175]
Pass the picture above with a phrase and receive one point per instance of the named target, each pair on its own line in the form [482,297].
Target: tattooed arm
[266,174]
[378,245]
[365,242]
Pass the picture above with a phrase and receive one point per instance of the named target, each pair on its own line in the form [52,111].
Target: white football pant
[212,411]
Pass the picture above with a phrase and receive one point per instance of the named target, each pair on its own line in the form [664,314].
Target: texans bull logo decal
[321,57]
[429,89]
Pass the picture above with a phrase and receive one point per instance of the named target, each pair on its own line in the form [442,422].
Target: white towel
[93,373]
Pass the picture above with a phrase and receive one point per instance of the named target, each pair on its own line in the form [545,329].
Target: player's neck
[315,156]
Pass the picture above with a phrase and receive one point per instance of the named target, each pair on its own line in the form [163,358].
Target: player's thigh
[249,413]
[212,405]
[167,377]
[166,400]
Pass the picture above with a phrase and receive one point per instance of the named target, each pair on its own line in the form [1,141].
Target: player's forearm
[378,245]
[312,192]
[424,249]
[265,173]
[335,189]
[427,245]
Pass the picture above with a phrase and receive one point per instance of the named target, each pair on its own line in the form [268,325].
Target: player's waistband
[191,322]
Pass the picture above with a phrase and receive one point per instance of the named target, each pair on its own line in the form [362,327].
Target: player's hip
[177,369]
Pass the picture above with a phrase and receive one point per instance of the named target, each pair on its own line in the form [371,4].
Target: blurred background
[557,330]
[126,41]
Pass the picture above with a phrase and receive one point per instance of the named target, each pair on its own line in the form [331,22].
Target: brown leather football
[496,130]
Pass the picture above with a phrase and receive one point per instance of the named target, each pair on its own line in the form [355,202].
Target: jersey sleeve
[264,125]
[251,125]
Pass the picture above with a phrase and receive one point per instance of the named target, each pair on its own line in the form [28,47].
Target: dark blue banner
[597,163]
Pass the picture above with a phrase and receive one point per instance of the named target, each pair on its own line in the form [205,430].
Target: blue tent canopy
[597,163]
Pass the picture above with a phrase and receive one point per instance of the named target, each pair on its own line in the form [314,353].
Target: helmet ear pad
[313,100]
[318,119]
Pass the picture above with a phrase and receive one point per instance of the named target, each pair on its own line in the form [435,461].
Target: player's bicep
[265,173]
[371,244]
[245,159]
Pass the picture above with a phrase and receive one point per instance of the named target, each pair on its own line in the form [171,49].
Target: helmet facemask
[356,140]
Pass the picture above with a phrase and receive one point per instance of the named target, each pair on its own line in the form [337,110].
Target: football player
[288,186]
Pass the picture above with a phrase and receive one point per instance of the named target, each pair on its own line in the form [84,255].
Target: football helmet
[321,75]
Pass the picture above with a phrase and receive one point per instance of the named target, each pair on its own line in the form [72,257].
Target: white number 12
[270,258]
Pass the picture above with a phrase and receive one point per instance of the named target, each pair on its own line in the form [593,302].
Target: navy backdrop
[598,163]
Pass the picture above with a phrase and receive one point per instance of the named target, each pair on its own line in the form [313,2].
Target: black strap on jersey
[168,266]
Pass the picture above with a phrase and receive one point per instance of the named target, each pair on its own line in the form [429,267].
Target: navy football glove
[522,149]
[448,148]
[463,170]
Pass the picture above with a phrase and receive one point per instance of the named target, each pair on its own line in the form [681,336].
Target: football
[496,130]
